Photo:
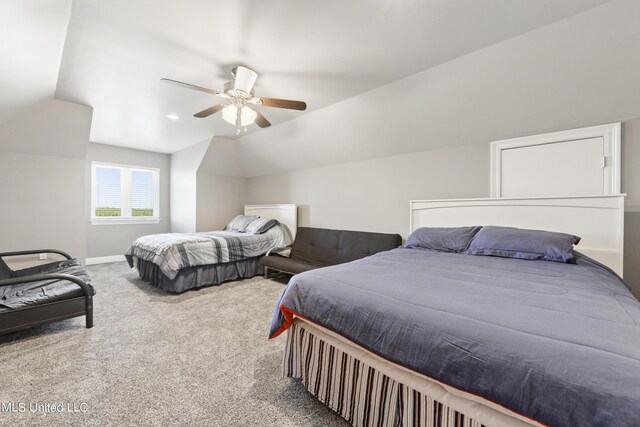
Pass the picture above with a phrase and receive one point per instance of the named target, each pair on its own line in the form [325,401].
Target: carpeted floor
[199,358]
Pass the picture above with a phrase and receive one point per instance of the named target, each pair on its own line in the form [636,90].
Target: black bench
[42,294]
[321,247]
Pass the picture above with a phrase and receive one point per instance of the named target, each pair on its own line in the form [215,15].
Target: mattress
[30,294]
[556,343]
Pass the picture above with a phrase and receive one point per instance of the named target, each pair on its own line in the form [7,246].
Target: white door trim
[611,133]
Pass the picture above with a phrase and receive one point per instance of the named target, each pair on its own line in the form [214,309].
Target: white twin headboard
[287,214]
[599,220]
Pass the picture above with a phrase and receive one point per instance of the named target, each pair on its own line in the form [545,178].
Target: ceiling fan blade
[189,86]
[284,103]
[260,119]
[209,111]
[245,79]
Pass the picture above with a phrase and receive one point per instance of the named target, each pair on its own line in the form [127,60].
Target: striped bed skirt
[358,392]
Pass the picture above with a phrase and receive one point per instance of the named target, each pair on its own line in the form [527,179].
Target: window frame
[125,195]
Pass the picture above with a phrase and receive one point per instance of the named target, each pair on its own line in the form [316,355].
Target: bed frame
[599,220]
[40,314]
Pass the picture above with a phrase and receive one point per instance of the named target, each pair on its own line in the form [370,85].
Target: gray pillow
[260,225]
[520,243]
[240,222]
[454,239]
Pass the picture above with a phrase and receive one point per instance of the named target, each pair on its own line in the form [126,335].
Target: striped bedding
[173,251]
[357,391]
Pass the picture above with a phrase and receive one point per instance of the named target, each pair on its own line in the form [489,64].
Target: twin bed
[176,262]
[423,337]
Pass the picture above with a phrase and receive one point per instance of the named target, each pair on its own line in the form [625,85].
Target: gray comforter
[558,343]
[44,291]
[174,251]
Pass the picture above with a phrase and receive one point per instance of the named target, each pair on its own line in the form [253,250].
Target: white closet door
[563,168]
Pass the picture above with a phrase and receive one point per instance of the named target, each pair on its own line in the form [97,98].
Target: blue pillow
[442,239]
[508,242]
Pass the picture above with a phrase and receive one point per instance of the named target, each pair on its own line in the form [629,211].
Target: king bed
[176,262]
[463,330]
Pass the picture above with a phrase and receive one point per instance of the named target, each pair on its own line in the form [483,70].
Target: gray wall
[578,72]
[42,171]
[221,189]
[42,204]
[631,186]
[373,195]
[114,239]
[219,198]
[51,128]
[632,251]
[183,187]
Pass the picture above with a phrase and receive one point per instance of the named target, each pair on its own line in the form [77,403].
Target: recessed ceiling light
[172,116]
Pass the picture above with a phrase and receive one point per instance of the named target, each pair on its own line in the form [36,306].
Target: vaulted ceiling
[32,34]
[322,52]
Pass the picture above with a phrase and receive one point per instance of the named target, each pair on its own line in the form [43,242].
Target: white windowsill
[124,220]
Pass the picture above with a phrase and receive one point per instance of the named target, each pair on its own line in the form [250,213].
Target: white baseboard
[104,259]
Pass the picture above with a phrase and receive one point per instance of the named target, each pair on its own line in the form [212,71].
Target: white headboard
[285,213]
[599,220]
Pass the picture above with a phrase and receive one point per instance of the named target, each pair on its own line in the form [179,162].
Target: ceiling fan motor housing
[231,90]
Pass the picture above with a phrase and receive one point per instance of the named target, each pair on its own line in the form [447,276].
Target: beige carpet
[199,358]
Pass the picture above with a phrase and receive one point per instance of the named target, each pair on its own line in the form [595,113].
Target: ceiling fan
[239,109]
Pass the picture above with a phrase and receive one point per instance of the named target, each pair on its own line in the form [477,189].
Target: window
[124,194]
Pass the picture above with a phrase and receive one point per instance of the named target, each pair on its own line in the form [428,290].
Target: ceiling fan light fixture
[248,115]
[237,108]
[230,115]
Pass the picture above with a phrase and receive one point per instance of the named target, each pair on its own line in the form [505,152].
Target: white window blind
[124,194]
[141,193]
[107,184]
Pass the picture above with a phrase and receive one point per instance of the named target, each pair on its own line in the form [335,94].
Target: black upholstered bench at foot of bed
[42,294]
